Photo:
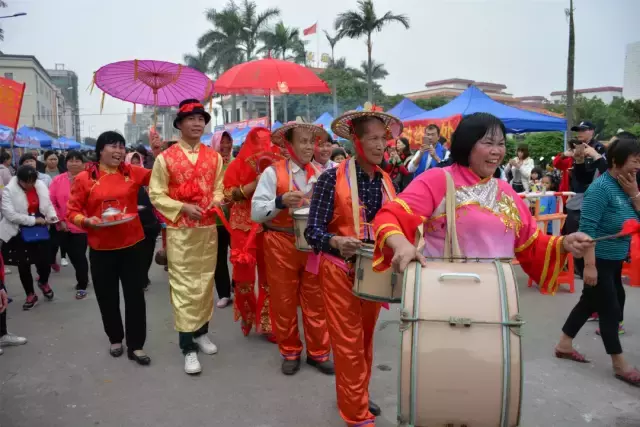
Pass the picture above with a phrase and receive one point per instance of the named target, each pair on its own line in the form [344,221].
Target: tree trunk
[286,108]
[335,99]
[570,68]
[369,77]
[234,117]
[308,110]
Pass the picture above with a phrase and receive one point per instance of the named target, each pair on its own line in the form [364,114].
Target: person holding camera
[430,154]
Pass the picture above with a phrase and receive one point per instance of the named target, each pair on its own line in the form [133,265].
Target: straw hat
[277,137]
[342,126]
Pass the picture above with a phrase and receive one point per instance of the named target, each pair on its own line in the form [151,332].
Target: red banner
[11,93]
[414,129]
[230,127]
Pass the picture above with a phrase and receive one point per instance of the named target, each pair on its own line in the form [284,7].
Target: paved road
[64,376]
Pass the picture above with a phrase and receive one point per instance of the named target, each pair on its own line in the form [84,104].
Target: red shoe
[46,290]
[271,338]
[32,301]
[55,267]
[594,318]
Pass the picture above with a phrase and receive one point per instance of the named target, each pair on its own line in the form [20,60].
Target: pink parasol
[149,82]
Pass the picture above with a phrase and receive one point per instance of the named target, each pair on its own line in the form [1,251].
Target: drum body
[461,361]
[369,285]
[300,217]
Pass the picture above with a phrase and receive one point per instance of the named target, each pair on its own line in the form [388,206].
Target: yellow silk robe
[191,252]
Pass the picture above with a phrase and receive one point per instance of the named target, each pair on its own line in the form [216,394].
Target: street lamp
[15,15]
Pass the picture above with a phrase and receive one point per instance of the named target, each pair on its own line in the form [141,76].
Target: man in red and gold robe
[336,232]
[186,189]
[247,252]
[283,187]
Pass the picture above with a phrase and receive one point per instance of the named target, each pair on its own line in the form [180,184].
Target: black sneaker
[290,367]
[325,367]
[32,301]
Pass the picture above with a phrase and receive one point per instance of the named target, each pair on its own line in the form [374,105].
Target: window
[44,112]
[37,86]
[38,108]
[8,76]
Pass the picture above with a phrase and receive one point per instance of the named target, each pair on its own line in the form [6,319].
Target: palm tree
[378,72]
[284,42]
[234,37]
[571,58]
[364,22]
[199,61]
[2,5]
[333,41]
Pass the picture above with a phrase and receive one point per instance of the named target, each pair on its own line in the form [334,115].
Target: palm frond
[388,18]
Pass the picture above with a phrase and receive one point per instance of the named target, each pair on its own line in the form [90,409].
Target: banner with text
[11,93]
[230,127]
[414,129]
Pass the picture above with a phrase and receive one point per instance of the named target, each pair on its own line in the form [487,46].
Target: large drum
[460,351]
[369,285]
[300,217]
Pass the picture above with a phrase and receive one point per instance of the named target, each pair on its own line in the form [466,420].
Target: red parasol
[270,76]
[148,82]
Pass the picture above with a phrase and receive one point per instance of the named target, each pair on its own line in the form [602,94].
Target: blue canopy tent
[239,135]
[473,100]
[66,144]
[206,139]
[405,109]
[325,120]
[276,125]
[36,137]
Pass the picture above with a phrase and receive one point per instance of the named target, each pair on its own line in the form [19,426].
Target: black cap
[190,107]
[584,125]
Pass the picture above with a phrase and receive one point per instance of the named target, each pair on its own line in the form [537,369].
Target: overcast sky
[520,43]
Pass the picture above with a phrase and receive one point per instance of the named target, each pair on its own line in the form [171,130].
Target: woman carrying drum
[508,230]
[332,231]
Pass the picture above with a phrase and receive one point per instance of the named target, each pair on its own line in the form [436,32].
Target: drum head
[302,212]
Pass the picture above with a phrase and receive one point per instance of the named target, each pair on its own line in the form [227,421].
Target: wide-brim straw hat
[278,135]
[343,127]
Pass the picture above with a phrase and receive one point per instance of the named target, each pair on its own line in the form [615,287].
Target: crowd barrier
[631,269]
[556,219]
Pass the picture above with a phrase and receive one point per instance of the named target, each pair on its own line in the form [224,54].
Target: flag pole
[317,46]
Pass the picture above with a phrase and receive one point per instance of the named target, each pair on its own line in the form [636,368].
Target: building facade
[631,85]
[450,88]
[67,82]
[605,93]
[40,103]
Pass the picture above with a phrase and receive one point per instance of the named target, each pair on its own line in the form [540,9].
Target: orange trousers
[291,285]
[351,322]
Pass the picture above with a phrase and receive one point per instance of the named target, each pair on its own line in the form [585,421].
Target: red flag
[311,30]
[11,93]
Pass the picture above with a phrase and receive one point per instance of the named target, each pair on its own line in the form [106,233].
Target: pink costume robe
[491,221]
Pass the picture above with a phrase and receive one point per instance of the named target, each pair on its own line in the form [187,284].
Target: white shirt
[330,164]
[263,202]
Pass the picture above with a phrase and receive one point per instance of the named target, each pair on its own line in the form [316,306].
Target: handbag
[35,233]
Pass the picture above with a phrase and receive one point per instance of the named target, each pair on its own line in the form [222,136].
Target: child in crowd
[338,155]
[534,180]
[548,203]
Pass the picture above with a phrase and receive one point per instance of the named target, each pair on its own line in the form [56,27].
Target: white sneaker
[1,352]
[205,344]
[192,364]
[223,302]
[64,262]
[7,271]
[11,339]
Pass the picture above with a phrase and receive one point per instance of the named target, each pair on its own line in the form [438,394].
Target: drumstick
[630,226]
